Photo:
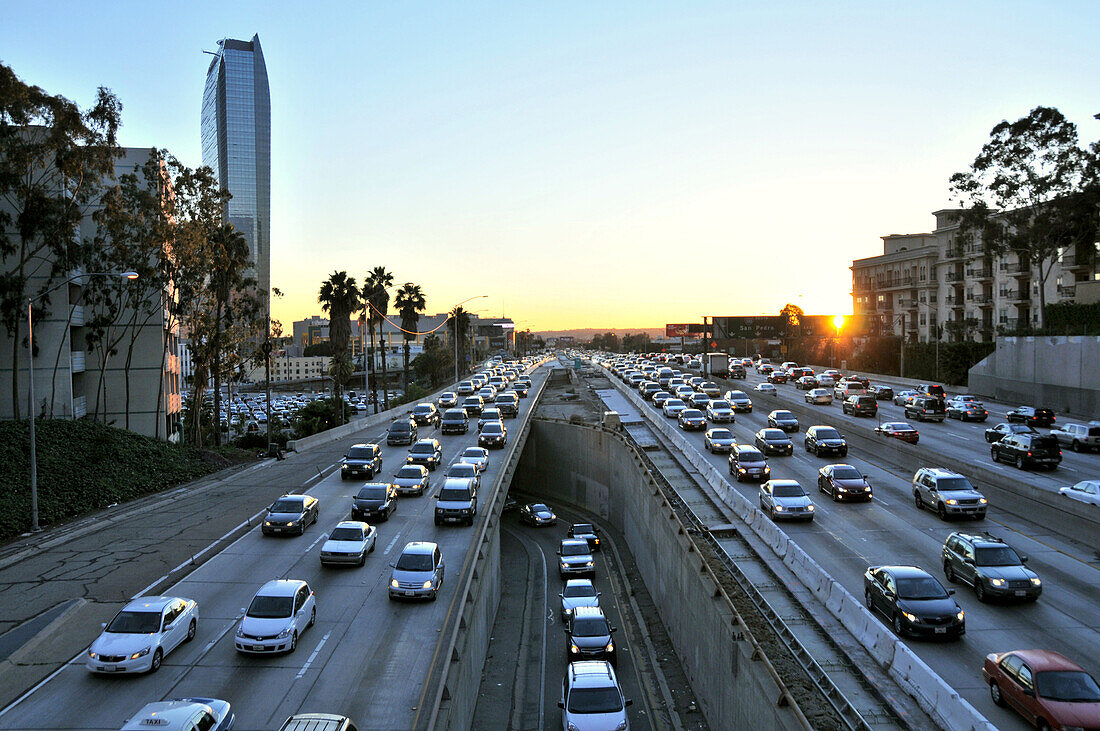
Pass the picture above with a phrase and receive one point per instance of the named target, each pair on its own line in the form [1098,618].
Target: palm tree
[460,322]
[409,302]
[339,297]
[375,292]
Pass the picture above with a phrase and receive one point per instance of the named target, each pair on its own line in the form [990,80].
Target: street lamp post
[30,379]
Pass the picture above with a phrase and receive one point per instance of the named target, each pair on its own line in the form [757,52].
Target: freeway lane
[367,657]
[846,538]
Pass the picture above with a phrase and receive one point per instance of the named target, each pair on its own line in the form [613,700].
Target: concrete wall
[595,469]
[1060,373]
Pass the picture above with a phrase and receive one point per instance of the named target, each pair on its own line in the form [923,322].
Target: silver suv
[591,697]
[948,493]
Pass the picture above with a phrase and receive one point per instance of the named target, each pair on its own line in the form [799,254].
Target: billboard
[684,330]
[771,327]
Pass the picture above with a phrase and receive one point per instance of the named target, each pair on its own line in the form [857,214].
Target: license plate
[109,668]
[276,529]
[410,593]
[258,648]
[1021,592]
[941,630]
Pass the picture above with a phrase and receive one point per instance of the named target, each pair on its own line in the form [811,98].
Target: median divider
[922,683]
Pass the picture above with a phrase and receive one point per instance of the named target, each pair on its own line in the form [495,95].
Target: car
[448,400]
[691,420]
[1048,689]
[455,421]
[699,401]
[696,382]
[456,501]
[882,393]
[1031,416]
[660,397]
[290,514]
[575,559]
[860,406]
[142,634]
[349,543]
[765,387]
[591,697]
[819,397]
[710,389]
[805,383]
[426,452]
[966,410]
[822,439]
[933,390]
[411,479]
[1027,450]
[764,369]
[280,611]
[785,499]
[521,389]
[777,376]
[739,400]
[719,439]
[719,411]
[318,722]
[999,432]
[487,393]
[588,636]
[375,500]
[783,419]
[361,460]
[1078,437]
[465,388]
[493,434]
[183,714]
[588,532]
[672,407]
[473,405]
[488,414]
[914,601]
[426,414]
[417,572]
[925,408]
[847,388]
[773,441]
[898,430]
[737,370]
[947,493]
[844,482]
[401,431]
[748,463]
[465,470]
[1086,491]
[537,514]
[577,593]
[989,565]
[478,456]
[507,404]
[901,398]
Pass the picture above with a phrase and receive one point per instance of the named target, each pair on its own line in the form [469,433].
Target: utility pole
[267,382]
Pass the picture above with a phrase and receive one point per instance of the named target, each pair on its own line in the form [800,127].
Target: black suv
[737,371]
[989,565]
[362,460]
[427,452]
[926,408]
[825,440]
[747,463]
[588,636]
[1025,450]
[425,414]
[402,431]
[1031,416]
[860,406]
[588,532]
[455,421]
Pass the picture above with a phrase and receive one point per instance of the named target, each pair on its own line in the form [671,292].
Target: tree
[377,298]
[459,327]
[410,303]
[1026,193]
[339,297]
[435,364]
[53,161]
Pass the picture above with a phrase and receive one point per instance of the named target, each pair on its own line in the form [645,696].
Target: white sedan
[819,396]
[142,634]
[672,407]
[1086,491]
[765,388]
[349,543]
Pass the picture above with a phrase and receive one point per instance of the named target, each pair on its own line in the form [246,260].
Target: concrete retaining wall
[597,470]
[1054,372]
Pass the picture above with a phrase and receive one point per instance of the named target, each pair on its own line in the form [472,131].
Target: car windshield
[996,556]
[400,426]
[287,506]
[415,562]
[539,508]
[574,549]
[372,492]
[1068,686]
[828,433]
[721,434]
[924,587]
[413,472]
[572,592]
[582,528]
[692,414]
[953,484]
[422,410]
[454,414]
[271,607]
[360,453]
[786,415]
[595,700]
[673,402]
[788,491]
[590,627]
[135,623]
[716,405]
[750,455]
[346,534]
[474,452]
[462,469]
[847,473]
[491,428]
[738,396]
[774,435]
[454,494]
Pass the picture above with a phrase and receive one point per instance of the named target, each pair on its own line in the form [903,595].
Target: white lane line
[313,656]
[389,546]
[216,640]
[45,680]
[882,501]
[542,663]
[319,539]
[1069,469]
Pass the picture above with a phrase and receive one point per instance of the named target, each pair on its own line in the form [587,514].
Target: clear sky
[587,164]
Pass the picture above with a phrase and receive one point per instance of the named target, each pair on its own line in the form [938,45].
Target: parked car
[719,439]
[748,463]
[823,439]
[914,601]
[1027,450]
[280,611]
[844,482]
[925,408]
[898,430]
[349,543]
[947,493]
[999,432]
[1048,689]
[989,565]
[1031,416]
[773,441]
[1078,437]
[362,460]
[1086,491]
[290,514]
[142,634]
[785,499]
[783,419]
[417,572]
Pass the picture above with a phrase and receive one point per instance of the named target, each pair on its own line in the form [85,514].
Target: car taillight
[1029,454]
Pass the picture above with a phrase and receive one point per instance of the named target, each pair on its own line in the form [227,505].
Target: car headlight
[996,582]
[1035,581]
[92,654]
[553,516]
[810,508]
[741,470]
[779,508]
[588,564]
[574,649]
[910,617]
[140,653]
[285,633]
[767,469]
[240,630]
[267,522]
[960,615]
[394,584]
[564,565]
[428,584]
[952,501]
[982,501]
[610,647]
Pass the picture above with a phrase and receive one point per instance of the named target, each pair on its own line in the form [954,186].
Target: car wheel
[979,589]
[868,600]
[1076,446]
[312,617]
[844,453]
[835,495]
[1019,463]
[949,572]
[941,510]
[191,629]
[343,477]
[898,628]
[293,642]
[995,694]
[917,500]
[158,657]
[1043,725]
[993,454]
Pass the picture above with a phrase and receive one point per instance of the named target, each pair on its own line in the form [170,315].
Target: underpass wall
[1053,372]
[596,470]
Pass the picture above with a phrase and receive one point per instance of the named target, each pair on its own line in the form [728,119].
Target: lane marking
[45,680]
[545,610]
[389,546]
[319,538]
[216,640]
[313,656]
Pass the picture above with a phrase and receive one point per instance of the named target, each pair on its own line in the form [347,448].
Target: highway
[845,538]
[367,657]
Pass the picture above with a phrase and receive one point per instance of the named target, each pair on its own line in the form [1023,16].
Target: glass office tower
[236,143]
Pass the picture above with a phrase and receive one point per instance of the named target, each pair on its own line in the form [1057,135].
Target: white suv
[281,610]
[591,697]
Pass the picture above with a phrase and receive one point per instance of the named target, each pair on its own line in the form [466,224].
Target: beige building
[928,285]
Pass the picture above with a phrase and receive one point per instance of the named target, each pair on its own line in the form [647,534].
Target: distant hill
[582,334]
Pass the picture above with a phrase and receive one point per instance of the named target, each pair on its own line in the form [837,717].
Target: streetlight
[30,377]
[455,327]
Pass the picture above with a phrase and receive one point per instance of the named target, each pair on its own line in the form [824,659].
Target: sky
[587,164]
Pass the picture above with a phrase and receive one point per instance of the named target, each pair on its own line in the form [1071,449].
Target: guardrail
[935,696]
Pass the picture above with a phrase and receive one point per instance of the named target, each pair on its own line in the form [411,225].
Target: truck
[716,364]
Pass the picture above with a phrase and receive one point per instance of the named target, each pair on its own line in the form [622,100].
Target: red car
[899,430]
[1047,689]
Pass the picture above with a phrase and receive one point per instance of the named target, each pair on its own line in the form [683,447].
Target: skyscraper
[236,143]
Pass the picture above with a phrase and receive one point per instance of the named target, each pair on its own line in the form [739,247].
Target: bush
[317,416]
[258,440]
